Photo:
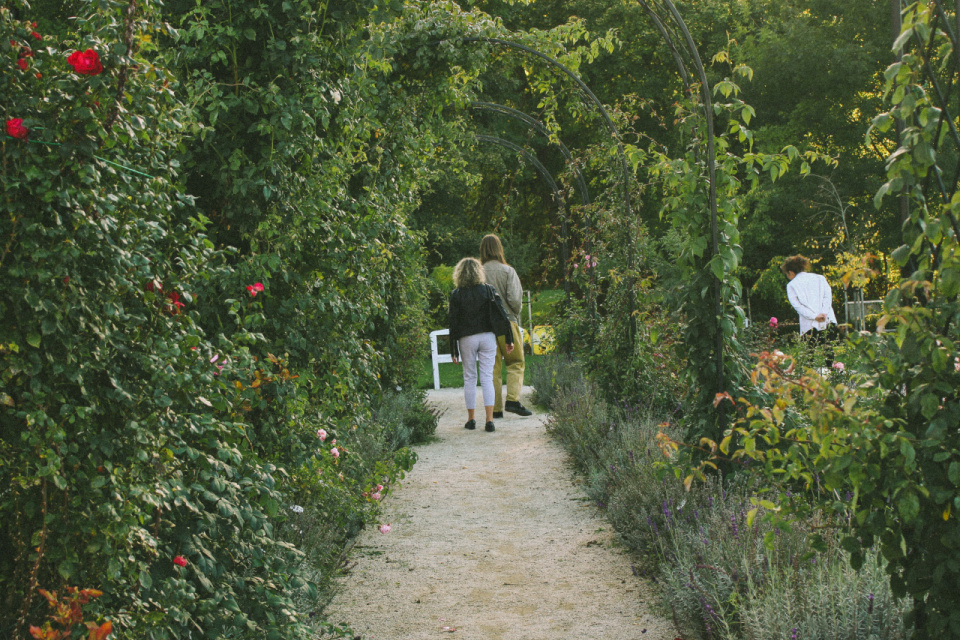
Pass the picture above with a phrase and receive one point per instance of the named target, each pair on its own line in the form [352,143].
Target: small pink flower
[376,496]
[258,286]
[773,322]
[321,434]
[335,452]
[214,358]
[379,487]
[575,265]
[384,528]
[180,561]
[838,366]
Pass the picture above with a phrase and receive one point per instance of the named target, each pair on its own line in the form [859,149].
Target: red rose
[174,305]
[15,129]
[180,561]
[37,35]
[22,63]
[86,63]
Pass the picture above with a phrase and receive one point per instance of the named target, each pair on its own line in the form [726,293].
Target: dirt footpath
[491,540]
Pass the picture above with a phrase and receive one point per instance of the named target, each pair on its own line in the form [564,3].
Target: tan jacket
[505,280]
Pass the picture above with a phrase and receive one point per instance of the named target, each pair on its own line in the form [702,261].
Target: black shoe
[490,427]
[471,424]
[517,408]
[498,414]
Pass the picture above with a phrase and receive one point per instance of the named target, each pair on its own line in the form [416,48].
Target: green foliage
[208,263]
[889,436]
[768,295]
[707,552]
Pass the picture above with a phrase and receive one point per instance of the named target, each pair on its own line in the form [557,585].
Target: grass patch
[451,375]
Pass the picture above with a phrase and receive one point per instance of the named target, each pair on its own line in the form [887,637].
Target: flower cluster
[254,289]
[588,261]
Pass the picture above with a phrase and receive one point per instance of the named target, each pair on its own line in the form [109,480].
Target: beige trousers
[514,362]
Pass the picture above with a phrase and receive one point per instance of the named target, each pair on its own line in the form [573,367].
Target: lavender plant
[723,574]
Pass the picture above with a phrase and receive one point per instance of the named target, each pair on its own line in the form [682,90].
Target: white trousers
[480,348]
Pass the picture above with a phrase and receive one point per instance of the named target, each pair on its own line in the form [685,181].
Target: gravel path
[492,540]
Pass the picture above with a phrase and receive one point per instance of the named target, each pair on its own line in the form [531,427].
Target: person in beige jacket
[505,280]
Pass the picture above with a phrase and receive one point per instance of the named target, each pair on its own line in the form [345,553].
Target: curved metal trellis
[677,36]
[557,195]
[680,34]
[541,128]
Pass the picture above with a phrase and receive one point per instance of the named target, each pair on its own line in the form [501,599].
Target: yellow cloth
[515,366]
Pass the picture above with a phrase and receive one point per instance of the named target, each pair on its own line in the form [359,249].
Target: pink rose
[15,129]
[376,496]
[773,323]
[86,63]
[384,528]
[335,452]
[838,366]
[321,434]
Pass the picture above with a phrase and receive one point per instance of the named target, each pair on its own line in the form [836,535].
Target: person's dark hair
[797,264]
[491,249]
[467,273]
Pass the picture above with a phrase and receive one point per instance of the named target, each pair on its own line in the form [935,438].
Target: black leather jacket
[469,315]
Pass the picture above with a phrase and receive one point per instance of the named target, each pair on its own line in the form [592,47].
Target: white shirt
[809,293]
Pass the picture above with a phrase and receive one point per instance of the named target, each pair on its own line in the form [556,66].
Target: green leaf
[953,473]
[145,580]
[901,255]
[33,339]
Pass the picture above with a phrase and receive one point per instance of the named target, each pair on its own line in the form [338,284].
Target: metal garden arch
[677,37]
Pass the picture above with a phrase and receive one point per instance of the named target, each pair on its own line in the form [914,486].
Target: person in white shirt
[810,295]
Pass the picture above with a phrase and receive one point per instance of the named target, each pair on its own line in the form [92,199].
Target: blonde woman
[472,337]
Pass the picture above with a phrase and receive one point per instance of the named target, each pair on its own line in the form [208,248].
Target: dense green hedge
[206,269]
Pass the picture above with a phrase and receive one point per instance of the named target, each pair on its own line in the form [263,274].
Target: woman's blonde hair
[491,249]
[467,273]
